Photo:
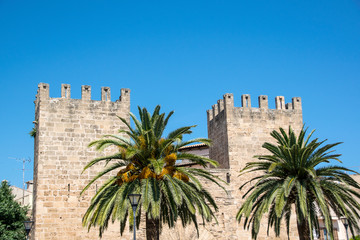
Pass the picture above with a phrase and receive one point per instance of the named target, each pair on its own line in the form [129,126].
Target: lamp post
[345,221]
[134,201]
[28,225]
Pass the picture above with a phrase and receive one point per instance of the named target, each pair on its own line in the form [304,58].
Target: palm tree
[294,176]
[147,163]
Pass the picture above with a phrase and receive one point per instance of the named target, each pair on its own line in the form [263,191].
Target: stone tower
[65,127]
[238,134]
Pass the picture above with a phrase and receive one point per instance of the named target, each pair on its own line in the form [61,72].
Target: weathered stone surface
[66,126]
[238,134]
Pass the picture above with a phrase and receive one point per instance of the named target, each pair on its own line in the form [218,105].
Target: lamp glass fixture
[134,199]
[345,221]
[28,224]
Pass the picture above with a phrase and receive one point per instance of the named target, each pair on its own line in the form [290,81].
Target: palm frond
[289,177]
[147,165]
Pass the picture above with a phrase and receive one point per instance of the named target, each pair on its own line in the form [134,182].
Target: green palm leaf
[145,163]
[290,178]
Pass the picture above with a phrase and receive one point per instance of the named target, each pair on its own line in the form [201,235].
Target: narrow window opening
[228,177]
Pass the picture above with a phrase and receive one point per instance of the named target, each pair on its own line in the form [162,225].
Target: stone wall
[241,131]
[65,127]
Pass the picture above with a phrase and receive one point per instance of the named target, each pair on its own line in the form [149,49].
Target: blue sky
[183,55]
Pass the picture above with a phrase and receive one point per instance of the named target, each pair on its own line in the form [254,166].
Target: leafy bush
[12,215]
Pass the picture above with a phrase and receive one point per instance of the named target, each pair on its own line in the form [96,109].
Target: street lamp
[28,225]
[345,221]
[134,201]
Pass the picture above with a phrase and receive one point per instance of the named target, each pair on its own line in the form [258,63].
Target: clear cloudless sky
[183,55]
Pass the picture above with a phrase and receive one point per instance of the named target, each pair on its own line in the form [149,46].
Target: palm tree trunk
[303,230]
[152,229]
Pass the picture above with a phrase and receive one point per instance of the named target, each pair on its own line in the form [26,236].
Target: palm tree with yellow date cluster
[147,163]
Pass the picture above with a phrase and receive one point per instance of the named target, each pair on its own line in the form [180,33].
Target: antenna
[23,160]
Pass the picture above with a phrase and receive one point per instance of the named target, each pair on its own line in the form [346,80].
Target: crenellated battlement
[43,93]
[228,103]
[64,128]
[244,129]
